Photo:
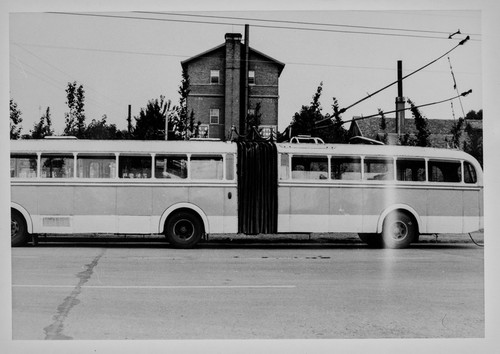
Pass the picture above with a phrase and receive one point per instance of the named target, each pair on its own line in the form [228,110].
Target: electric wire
[240,24]
[406,76]
[394,111]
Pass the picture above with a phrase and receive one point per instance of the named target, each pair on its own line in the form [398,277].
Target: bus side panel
[55,209]
[230,210]
[309,209]
[445,211]
[472,211]
[284,209]
[26,196]
[95,209]
[346,210]
[164,197]
[214,204]
[134,209]
[377,199]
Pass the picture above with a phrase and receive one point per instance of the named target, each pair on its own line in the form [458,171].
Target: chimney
[400,102]
[232,81]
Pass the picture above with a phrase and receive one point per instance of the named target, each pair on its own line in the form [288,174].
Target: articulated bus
[389,195]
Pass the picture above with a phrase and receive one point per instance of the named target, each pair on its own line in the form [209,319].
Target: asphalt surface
[289,287]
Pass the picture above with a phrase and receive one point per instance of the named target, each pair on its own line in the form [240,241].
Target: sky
[128,58]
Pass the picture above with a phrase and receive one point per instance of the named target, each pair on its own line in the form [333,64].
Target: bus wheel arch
[399,227]
[18,228]
[184,225]
[184,228]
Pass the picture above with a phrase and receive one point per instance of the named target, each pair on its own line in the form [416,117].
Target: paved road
[247,291]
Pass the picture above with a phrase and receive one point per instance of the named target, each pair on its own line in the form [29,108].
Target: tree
[44,126]
[474,115]
[383,126]
[15,120]
[303,122]
[185,122]
[456,132]
[421,124]
[150,125]
[310,121]
[100,130]
[75,118]
[474,143]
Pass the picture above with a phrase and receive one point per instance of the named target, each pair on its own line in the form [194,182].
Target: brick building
[226,85]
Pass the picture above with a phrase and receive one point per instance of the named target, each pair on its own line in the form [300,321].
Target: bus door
[257,188]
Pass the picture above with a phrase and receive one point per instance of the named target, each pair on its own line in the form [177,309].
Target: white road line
[159,286]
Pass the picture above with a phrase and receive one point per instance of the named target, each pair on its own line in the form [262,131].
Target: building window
[251,77]
[214,116]
[214,76]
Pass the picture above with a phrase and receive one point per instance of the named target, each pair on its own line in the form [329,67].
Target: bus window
[378,169]
[285,166]
[206,167]
[445,171]
[346,168]
[230,167]
[57,166]
[410,170]
[23,166]
[134,166]
[309,167]
[171,166]
[469,173]
[92,166]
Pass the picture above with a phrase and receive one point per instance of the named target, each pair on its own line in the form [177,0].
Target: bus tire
[399,230]
[371,239]
[184,229]
[18,229]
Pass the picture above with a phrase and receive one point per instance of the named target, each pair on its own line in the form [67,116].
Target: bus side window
[379,169]
[284,167]
[206,167]
[410,170]
[445,171]
[23,166]
[230,167]
[346,168]
[96,166]
[171,166]
[470,175]
[134,166]
[310,167]
[57,166]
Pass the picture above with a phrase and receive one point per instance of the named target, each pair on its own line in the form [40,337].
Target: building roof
[280,65]
[440,129]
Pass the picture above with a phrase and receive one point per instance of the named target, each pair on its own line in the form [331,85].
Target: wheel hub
[399,230]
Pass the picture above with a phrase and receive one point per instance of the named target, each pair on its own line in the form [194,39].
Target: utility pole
[400,103]
[244,84]
[129,119]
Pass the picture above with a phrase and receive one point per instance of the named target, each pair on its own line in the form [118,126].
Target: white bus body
[186,188]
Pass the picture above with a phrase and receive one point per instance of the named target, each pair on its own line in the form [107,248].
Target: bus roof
[120,146]
[182,146]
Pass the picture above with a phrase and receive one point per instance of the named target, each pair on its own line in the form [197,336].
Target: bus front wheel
[399,230]
[184,229]
[18,230]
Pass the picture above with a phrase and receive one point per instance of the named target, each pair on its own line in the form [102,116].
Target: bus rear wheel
[18,230]
[399,230]
[184,229]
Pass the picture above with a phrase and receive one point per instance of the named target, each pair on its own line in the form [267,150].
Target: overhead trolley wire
[240,24]
[463,94]
[342,110]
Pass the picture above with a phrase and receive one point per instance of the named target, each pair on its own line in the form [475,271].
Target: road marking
[159,286]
